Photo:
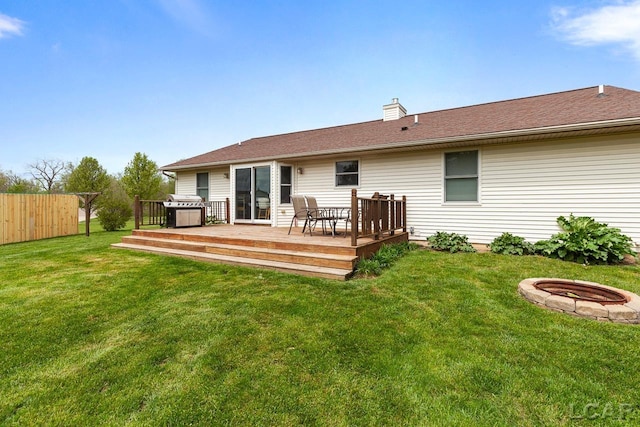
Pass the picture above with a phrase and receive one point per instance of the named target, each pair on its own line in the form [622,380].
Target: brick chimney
[393,111]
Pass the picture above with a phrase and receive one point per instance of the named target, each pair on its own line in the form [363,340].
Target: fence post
[136,211]
[354,217]
[227,210]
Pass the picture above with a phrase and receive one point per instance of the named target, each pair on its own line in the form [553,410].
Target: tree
[12,183]
[87,177]
[20,185]
[47,174]
[167,187]
[115,207]
[141,177]
[4,181]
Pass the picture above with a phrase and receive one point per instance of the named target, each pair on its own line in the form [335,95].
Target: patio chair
[319,214]
[264,207]
[300,211]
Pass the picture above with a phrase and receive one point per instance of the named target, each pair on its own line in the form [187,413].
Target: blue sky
[177,78]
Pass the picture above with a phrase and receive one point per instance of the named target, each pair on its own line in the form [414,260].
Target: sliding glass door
[253,194]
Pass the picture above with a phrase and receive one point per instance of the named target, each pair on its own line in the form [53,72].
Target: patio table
[338,214]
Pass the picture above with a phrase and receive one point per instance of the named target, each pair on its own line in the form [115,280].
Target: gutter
[588,128]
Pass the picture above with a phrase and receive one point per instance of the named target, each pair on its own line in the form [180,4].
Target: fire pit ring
[581,291]
[584,299]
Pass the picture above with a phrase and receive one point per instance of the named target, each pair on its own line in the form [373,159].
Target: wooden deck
[261,247]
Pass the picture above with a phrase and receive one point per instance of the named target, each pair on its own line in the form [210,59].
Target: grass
[93,335]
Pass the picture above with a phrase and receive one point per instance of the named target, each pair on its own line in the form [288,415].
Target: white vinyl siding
[218,184]
[524,187]
[186,183]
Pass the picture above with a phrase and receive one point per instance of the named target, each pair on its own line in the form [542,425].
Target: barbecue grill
[184,211]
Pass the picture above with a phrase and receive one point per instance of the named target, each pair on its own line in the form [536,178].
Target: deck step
[244,241]
[289,256]
[287,267]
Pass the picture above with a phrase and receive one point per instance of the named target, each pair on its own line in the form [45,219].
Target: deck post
[203,213]
[377,215]
[136,211]
[227,210]
[404,214]
[392,215]
[354,217]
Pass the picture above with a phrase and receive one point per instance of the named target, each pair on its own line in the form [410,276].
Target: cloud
[10,26]
[614,24]
[190,13]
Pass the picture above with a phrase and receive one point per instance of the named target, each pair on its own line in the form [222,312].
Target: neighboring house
[510,166]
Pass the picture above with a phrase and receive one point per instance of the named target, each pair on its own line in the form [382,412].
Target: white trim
[461,203]
[335,174]
[273,189]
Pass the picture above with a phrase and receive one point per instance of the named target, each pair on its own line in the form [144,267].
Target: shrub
[212,219]
[508,244]
[114,207]
[586,241]
[369,267]
[451,242]
[384,258]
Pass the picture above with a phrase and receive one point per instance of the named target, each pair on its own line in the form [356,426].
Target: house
[508,166]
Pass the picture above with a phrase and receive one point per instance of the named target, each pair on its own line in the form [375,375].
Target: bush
[114,207]
[369,267]
[451,242]
[586,241]
[508,244]
[384,258]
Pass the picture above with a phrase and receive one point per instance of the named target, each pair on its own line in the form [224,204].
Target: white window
[461,176]
[202,185]
[286,179]
[347,173]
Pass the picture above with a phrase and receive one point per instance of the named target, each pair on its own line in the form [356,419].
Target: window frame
[475,176]
[340,174]
[281,185]
[198,188]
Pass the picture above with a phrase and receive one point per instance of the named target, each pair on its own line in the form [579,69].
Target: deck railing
[377,216]
[148,212]
[153,212]
[217,212]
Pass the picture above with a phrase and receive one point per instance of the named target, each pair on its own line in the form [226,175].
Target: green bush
[586,241]
[450,242]
[369,267]
[508,244]
[384,258]
[114,207]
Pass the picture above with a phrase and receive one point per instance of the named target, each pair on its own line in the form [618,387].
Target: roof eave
[483,138]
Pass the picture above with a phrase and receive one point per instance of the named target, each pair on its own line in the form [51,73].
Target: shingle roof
[581,106]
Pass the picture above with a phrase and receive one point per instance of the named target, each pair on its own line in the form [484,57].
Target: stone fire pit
[583,299]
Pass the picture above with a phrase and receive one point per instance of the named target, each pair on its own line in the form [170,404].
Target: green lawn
[93,335]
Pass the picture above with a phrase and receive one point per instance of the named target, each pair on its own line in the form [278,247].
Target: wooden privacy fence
[25,217]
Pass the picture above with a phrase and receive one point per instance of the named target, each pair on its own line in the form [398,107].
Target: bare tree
[47,173]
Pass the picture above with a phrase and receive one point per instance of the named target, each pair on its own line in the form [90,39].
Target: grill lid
[183,198]
[183,201]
